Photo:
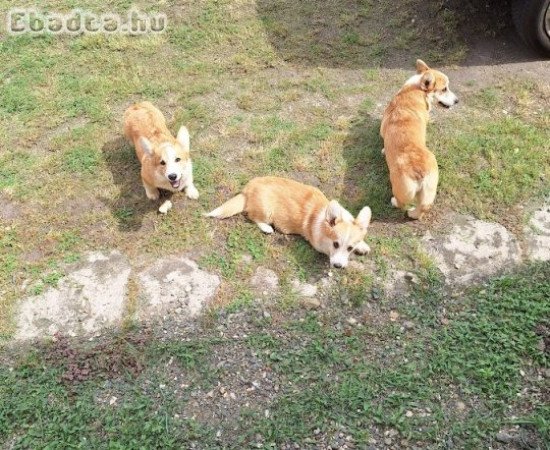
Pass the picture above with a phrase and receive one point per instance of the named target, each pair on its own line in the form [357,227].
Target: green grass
[350,379]
[490,156]
[260,98]
[266,88]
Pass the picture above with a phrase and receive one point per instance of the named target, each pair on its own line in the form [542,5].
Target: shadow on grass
[131,204]
[364,33]
[367,181]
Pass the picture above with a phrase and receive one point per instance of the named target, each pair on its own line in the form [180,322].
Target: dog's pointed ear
[183,138]
[334,212]
[146,145]
[421,66]
[363,218]
[427,82]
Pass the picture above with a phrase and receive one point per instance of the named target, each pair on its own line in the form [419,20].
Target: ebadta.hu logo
[23,21]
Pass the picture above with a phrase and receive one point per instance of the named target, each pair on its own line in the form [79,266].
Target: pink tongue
[175,184]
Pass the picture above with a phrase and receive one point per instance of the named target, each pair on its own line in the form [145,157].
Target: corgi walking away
[165,160]
[413,169]
[296,208]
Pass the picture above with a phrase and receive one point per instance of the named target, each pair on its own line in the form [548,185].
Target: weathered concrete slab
[89,298]
[473,250]
[537,235]
[175,286]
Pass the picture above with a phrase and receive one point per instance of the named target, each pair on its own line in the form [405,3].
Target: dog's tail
[229,208]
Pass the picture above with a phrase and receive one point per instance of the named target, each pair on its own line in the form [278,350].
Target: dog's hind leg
[425,197]
[404,190]
[266,228]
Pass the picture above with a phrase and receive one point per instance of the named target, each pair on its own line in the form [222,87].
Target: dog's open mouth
[175,184]
[445,105]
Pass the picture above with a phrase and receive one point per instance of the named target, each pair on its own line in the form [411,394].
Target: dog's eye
[350,248]
[336,244]
[163,163]
[444,89]
[178,159]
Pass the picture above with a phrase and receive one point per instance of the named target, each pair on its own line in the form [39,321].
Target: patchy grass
[267,88]
[259,98]
[490,167]
[461,381]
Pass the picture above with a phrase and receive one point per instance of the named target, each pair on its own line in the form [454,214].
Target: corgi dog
[413,169]
[296,208]
[165,160]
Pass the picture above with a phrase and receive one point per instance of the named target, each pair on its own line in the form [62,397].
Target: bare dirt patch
[537,234]
[9,210]
[175,286]
[88,299]
[474,249]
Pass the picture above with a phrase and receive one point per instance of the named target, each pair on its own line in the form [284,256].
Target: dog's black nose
[172,177]
[337,265]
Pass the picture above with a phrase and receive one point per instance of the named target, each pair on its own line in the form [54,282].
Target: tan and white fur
[413,168]
[296,208]
[165,160]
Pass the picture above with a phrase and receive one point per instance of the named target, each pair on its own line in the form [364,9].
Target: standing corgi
[413,169]
[295,208]
[165,160]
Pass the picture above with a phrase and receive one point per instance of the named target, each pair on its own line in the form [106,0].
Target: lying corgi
[165,160]
[413,168]
[295,208]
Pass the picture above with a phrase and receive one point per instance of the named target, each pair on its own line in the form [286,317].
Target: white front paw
[165,207]
[191,192]
[362,248]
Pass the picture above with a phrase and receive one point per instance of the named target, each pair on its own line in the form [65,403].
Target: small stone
[316,431]
[388,441]
[460,406]
[308,290]
[394,315]
[409,276]
[246,258]
[503,437]
[352,321]
[266,280]
[409,414]
[266,314]
[310,303]
[408,325]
